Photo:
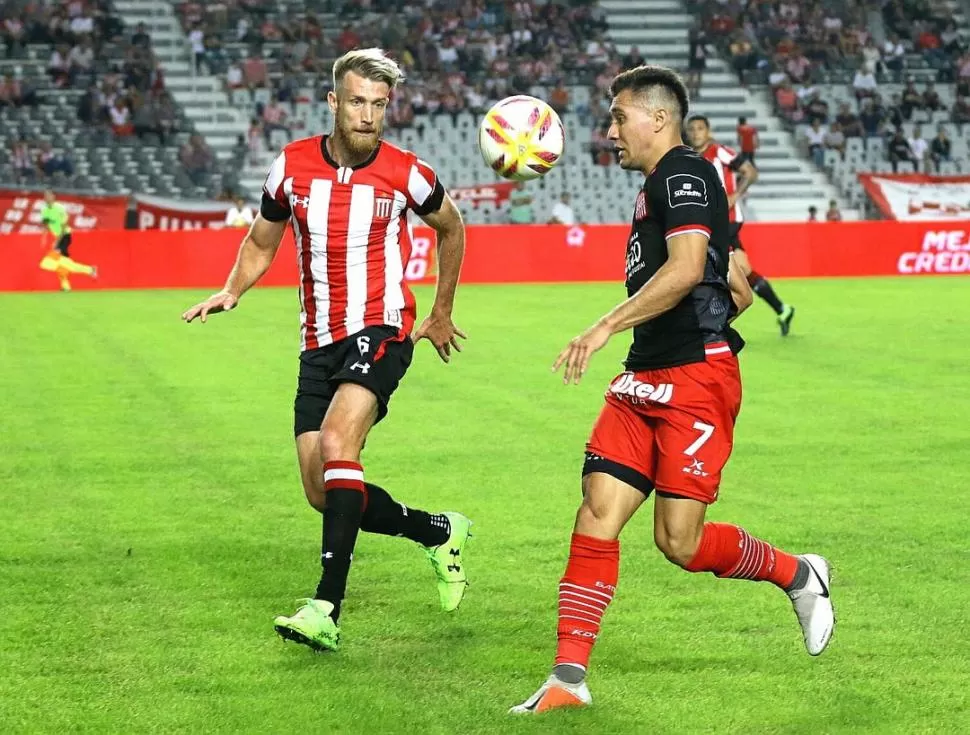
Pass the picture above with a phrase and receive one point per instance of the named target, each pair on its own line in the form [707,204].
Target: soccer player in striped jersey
[737,173]
[346,196]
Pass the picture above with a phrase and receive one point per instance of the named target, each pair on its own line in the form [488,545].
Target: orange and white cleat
[554,694]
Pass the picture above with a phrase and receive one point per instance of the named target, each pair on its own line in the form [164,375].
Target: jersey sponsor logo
[685,189]
[363,367]
[634,255]
[627,385]
[298,201]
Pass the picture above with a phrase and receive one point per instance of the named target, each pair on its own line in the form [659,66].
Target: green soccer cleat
[448,564]
[311,625]
[784,319]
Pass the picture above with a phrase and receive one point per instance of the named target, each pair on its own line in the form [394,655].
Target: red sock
[585,591]
[729,551]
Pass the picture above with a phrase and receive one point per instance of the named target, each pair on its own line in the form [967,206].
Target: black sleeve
[434,200]
[685,192]
[272,209]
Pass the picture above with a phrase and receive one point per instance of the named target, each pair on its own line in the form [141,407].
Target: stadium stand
[192,99]
[84,105]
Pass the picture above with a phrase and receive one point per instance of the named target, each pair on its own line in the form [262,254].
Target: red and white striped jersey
[726,161]
[351,232]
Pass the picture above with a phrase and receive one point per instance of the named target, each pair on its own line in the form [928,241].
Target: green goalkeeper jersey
[55,217]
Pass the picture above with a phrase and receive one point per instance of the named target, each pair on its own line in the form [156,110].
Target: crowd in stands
[91,50]
[459,56]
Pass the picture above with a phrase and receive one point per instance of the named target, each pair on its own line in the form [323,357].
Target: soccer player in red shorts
[347,196]
[668,421]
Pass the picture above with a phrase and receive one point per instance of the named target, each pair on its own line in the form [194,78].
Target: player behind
[347,195]
[669,419]
[729,165]
[55,217]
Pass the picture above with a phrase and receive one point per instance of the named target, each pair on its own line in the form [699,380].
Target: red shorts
[672,427]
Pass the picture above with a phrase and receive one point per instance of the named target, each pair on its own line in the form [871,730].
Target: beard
[357,143]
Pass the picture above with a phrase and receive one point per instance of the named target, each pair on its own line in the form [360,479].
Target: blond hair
[370,63]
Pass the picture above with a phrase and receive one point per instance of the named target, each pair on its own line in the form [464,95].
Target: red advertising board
[502,254]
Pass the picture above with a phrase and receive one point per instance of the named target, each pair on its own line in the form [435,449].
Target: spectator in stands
[940,148]
[198,160]
[21,160]
[697,58]
[950,38]
[815,139]
[14,93]
[51,162]
[166,115]
[899,150]
[743,56]
[562,213]
[894,115]
[912,100]
[893,53]
[961,110]
[919,147]
[816,109]
[834,139]
[59,67]
[747,138]
[559,97]
[120,116]
[255,70]
[196,39]
[275,118]
[871,118]
[240,214]
[140,37]
[849,122]
[864,84]
[13,33]
[234,76]
[871,55]
[633,59]
[81,57]
[931,98]
[813,213]
[834,214]
[786,100]
[520,205]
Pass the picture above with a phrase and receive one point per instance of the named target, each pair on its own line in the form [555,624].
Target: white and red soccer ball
[521,138]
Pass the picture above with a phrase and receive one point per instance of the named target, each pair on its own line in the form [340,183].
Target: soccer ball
[521,138]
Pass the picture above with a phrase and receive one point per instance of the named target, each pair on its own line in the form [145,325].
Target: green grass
[152,524]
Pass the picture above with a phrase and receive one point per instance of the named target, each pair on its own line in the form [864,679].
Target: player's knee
[679,545]
[335,445]
[595,510]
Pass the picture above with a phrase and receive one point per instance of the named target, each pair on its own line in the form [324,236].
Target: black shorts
[375,357]
[734,236]
[63,243]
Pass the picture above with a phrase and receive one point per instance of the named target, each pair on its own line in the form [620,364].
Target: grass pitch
[152,524]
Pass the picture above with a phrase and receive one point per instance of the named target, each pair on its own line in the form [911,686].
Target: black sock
[386,516]
[341,522]
[761,287]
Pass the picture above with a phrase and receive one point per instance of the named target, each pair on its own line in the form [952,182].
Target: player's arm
[433,205]
[688,217]
[258,248]
[747,175]
[254,258]
[740,289]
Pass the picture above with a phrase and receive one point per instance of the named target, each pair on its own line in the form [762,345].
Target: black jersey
[682,194]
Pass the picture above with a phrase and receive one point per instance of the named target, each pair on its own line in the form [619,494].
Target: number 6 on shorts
[706,431]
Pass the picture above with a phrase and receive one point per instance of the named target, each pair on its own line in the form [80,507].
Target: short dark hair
[700,118]
[742,120]
[644,78]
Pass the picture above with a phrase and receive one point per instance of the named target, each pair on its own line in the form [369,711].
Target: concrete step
[657,20]
[644,7]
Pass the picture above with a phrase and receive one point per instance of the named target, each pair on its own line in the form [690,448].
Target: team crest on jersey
[383,208]
[640,209]
[685,189]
